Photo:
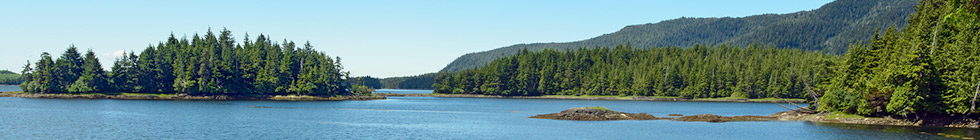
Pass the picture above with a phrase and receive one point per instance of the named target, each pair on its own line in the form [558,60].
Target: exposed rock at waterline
[716,118]
[595,114]
[600,114]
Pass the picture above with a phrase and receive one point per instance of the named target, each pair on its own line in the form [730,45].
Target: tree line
[929,69]
[8,77]
[422,81]
[213,64]
[701,71]
[831,28]
[370,82]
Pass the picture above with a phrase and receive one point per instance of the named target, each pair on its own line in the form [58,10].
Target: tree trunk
[935,32]
[813,94]
[785,106]
[974,101]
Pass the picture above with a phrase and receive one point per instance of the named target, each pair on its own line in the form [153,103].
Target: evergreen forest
[695,72]
[8,77]
[930,68]
[830,28]
[423,81]
[212,64]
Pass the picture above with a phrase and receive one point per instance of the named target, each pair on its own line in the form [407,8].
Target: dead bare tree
[785,106]
[810,91]
[799,109]
[798,106]
[973,102]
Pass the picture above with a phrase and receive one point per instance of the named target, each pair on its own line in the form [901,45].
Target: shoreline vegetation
[150,96]
[618,98]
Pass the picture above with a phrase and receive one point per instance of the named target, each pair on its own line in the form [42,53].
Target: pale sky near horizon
[380,38]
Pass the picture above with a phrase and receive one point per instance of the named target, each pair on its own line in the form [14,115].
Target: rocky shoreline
[600,114]
[827,117]
[188,97]
[638,98]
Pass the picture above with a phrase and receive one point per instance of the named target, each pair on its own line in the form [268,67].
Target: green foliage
[839,115]
[829,28]
[208,65]
[368,81]
[362,90]
[423,81]
[9,78]
[93,78]
[694,72]
[42,78]
[929,67]
[360,85]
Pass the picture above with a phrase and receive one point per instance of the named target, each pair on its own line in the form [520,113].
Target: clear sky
[376,38]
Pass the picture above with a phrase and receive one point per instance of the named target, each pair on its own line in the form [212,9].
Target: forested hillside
[830,28]
[370,82]
[423,81]
[8,77]
[213,64]
[694,72]
[929,69]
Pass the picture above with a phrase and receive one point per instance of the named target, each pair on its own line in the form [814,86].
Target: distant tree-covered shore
[8,77]
[695,72]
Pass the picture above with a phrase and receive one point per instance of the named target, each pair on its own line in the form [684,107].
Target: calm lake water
[5,88]
[403,91]
[404,118]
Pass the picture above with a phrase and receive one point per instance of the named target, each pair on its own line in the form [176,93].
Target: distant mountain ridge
[829,28]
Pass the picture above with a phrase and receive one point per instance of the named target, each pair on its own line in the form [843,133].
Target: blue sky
[378,38]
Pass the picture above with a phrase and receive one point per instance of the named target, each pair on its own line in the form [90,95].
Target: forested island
[209,65]
[927,73]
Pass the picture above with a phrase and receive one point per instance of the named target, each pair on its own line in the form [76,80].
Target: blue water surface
[404,118]
[404,91]
[5,88]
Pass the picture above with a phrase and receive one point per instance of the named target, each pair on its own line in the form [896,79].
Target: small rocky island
[595,114]
[602,114]
[716,118]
